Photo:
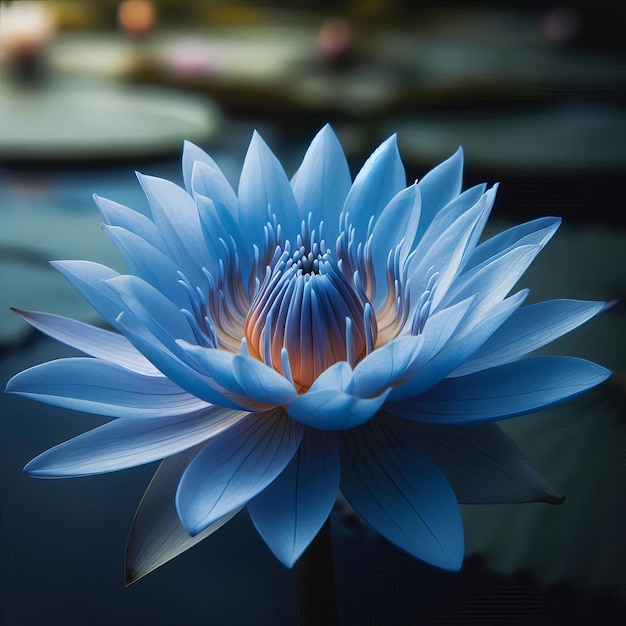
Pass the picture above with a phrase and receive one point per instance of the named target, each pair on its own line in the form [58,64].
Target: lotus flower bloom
[297,338]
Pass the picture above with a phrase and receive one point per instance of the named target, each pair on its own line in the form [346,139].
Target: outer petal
[379,180]
[505,391]
[157,536]
[291,510]
[160,316]
[91,340]
[116,214]
[444,256]
[235,467]
[321,184]
[440,186]
[148,263]
[264,189]
[483,465]
[209,181]
[528,329]
[464,342]
[130,442]
[394,485]
[397,223]
[96,386]
[191,154]
[188,378]
[176,216]
[88,278]
[515,236]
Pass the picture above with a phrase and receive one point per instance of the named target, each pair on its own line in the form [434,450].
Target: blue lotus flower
[302,337]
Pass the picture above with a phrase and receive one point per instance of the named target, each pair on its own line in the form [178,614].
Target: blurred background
[535,91]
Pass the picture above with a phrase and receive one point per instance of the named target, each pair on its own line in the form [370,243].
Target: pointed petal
[444,257]
[264,189]
[209,181]
[130,442]
[290,511]
[393,484]
[438,330]
[522,234]
[440,186]
[528,329]
[157,536]
[494,278]
[180,372]
[331,409]
[235,467]
[116,214]
[88,278]
[160,316]
[385,366]
[261,382]
[91,340]
[176,216]
[321,184]
[505,391]
[191,154]
[379,180]
[483,465]
[95,386]
[149,264]
[465,342]
[398,221]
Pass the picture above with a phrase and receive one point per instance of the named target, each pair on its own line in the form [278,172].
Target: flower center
[307,306]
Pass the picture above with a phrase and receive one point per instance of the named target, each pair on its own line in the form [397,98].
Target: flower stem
[316,582]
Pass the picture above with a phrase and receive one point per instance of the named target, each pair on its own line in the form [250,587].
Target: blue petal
[149,264]
[528,329]
[379,180]
[235,467]
[438,330]
[384,366]
[209,181]
[176,215]
[464,343]
[116,214]
[91,340]
[440,186]
[95,386]
[321,184]
[129,442]
[337,377]
[88,278]
[159,315]
[217,364]
[483,465]
[157,536]
[191,154]
[398,221]
[331,409]
[528,233]
[263,190]
[451,213]
[505,391]
[291,510]
[495,277]
[178,371]
[393,484]
[445,256]
[262,383]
